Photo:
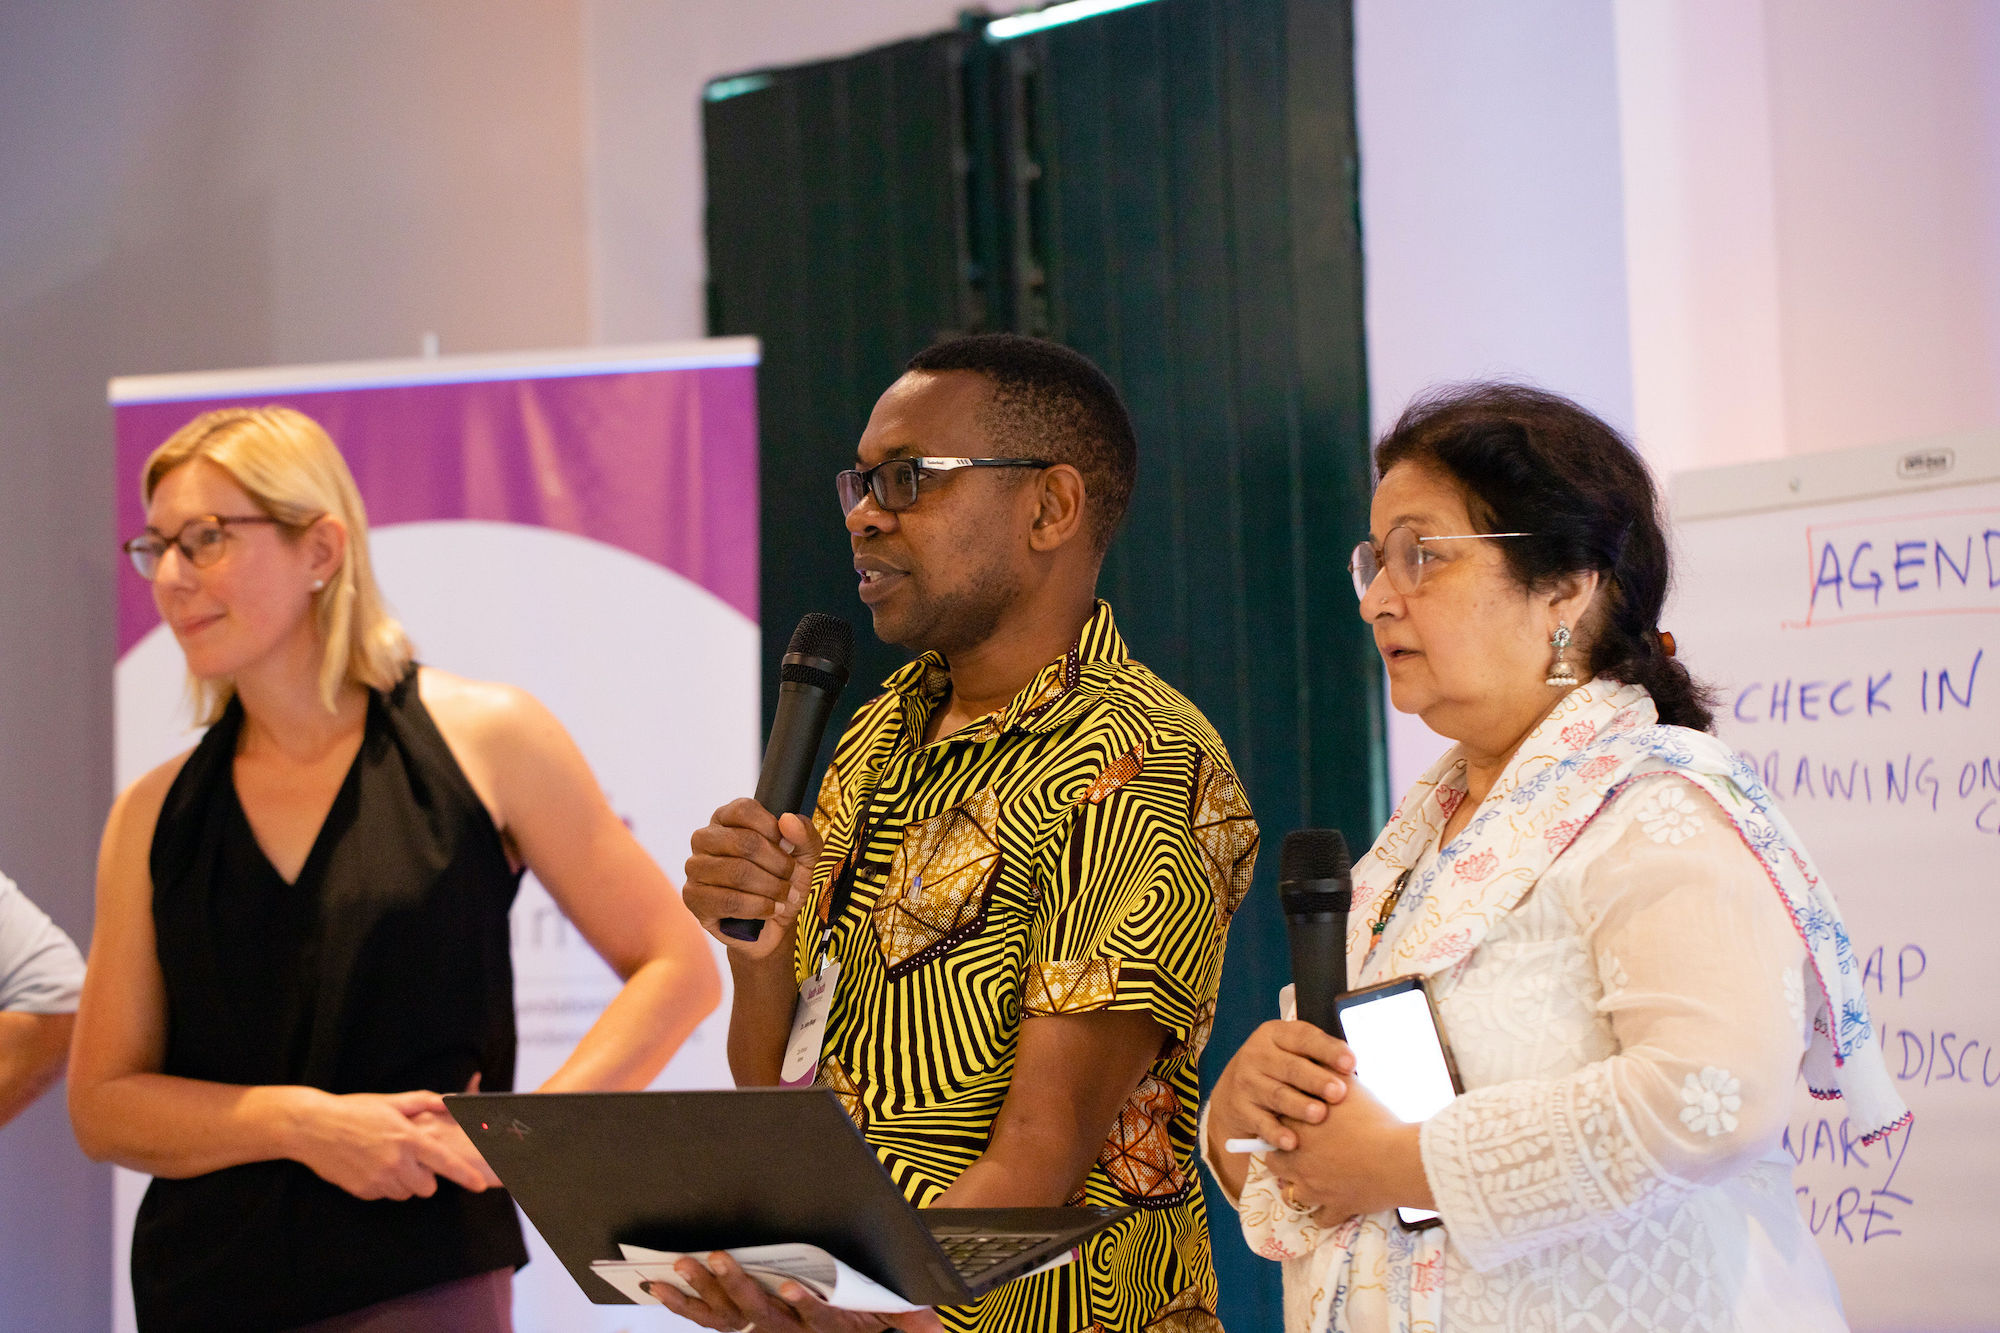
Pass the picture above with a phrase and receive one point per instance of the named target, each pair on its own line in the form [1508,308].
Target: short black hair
[1051,403]
[1534,462]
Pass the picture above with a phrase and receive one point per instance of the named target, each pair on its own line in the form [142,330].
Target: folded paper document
[771,1265]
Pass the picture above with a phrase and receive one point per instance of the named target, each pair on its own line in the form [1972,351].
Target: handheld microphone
[810,678]
[1316,884]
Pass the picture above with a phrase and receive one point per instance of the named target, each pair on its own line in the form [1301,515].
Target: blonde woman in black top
[301,934]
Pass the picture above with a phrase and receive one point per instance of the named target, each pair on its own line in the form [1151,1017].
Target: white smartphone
[1401,1056]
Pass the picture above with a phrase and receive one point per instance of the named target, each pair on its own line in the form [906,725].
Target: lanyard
[841,891]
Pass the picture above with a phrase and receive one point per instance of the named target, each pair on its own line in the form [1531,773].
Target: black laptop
[691,1172]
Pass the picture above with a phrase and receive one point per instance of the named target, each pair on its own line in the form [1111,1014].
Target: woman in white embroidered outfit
[1632,956]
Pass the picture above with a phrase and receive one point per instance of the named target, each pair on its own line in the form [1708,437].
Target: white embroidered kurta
[1629,1036]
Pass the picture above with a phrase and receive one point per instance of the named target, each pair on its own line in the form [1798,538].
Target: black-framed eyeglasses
[201,541]
[895,483]
[1403,557]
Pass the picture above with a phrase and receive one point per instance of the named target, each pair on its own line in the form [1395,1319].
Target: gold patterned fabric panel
[828,799]
[1079,850]
[1203,1028]
[1140,1152]
[1226,834]
[832,1076]
[1185,1314]
[938,880]
[1070,987]
[1117,773]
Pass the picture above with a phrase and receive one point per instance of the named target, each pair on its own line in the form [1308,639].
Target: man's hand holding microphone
[753,862]
[751,865]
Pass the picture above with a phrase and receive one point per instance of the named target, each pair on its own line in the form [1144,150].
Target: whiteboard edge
[1833,477]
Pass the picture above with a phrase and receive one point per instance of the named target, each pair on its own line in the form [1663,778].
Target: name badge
[801,1065]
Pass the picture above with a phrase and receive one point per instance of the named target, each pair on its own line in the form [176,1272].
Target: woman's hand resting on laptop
[730,1300]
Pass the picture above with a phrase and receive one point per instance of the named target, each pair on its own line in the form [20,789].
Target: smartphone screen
[1399,1056]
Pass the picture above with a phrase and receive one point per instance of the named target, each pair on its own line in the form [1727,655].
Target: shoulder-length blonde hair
[292,471]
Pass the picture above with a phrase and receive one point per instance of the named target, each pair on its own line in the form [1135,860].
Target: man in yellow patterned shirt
[1023,864]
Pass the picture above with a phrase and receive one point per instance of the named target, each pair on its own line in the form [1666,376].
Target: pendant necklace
[1381,921]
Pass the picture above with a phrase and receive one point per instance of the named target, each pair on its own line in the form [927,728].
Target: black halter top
[383,968]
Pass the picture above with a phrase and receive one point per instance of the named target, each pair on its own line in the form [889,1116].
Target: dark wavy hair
[1532,461]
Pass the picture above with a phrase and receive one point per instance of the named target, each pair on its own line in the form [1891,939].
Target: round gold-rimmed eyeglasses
[1403,557]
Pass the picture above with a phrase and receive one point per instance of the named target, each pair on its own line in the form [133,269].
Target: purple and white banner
[580,524]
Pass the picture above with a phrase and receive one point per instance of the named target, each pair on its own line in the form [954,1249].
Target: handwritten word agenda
[1941,564]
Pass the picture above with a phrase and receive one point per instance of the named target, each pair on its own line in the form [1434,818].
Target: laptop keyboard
[974,1253]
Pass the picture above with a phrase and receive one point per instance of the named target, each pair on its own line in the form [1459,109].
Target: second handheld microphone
[810,678]
[1316,884]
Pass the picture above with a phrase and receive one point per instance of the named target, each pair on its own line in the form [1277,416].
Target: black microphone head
[1313,853]
[829,642]
[1313,872]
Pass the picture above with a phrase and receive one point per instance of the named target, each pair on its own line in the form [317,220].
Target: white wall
[1701,229]
[648,63]
[1813,222]
[1738,228]
[1492,214]
[1886,153]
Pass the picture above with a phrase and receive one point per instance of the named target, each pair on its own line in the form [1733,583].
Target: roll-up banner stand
[581,524]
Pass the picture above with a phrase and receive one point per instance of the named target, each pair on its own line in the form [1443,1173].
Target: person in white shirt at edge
[41,975]
[1632,957]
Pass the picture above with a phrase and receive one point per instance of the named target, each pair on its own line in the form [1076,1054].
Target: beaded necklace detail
[1381,921]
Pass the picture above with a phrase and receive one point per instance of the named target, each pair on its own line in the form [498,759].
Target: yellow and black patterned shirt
[1081,849]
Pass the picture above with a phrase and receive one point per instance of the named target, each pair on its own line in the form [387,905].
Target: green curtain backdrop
[1170,189]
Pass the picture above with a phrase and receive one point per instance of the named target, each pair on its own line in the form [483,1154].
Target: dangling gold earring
[1560,672]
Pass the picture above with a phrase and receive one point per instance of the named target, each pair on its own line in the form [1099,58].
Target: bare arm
[760,1019]
[546,799]
[32,1050]
[1072,1074]
[122,1107]
[125,1110]
[41,977]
